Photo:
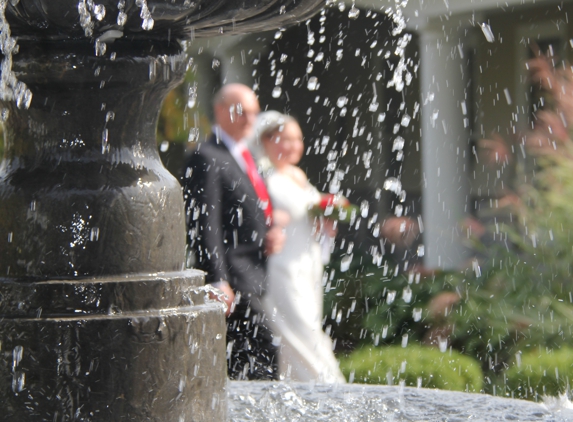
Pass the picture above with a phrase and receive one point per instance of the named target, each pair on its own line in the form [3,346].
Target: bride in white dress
[294,298]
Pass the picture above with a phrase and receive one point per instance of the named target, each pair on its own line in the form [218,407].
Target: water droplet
[443,344]
[390,296]
[192,100]
[278,35]
[310,39]
[85,18]
[518,359]
[109,116]
[94,234]
[334,188]
[341,102]
[376,230]
[393,184]
[507,96]
[345,263]
[338,317]
[354,12]
[476,267]
[193,134]
[279,78]
[99,11]
[420,251]
[398,144]
[364,206]
[100,47]
[17,354]
[104,141]
[309,67]
[312,84]
[145,15]
[487,32]
[339,54]
[147,24]
[407,294]
[277,91]
[417,314]
[23,96]
[10,237]
[405,340]
[215,64]
[18,381]
[121,18]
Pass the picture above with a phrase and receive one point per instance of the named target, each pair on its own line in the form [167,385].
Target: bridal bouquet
[335,207]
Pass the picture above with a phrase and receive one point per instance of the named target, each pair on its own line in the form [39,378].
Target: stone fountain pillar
[99,320]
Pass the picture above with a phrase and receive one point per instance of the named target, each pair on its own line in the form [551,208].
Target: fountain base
[110,349]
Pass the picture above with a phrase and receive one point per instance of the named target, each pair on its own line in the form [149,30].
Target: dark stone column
[99,322]
[83,190]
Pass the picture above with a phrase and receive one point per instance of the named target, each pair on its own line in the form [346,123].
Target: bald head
[235,108]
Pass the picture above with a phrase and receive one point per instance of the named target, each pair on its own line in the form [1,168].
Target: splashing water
[145,15]
[10,88]
[487,32]
[312,84]
[354,12]
[263,401]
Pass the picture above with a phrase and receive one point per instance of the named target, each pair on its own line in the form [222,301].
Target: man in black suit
[230,230]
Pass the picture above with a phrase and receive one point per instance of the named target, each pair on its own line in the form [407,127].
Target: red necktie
[258,184]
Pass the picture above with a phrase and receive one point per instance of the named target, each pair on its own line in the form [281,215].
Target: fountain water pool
[267,401]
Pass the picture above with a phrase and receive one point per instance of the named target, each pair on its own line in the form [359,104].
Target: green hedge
[416,365]
[540,372]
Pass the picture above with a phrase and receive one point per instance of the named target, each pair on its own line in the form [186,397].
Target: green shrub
[540,372]
[416,365]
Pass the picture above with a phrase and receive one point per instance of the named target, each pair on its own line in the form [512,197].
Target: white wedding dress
[294,298]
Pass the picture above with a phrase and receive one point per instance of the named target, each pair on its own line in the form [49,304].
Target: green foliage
[416,365]
[178,116]
[368,304]
[522,298]
[515,299]
[541,372]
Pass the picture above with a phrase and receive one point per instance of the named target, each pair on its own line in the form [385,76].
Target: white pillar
[444,145]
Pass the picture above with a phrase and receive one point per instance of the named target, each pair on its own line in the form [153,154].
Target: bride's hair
[267,124]
[270,122]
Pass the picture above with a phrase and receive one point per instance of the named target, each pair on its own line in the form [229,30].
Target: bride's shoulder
[299,176]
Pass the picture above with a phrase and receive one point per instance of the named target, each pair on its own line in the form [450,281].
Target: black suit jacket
[226,226]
